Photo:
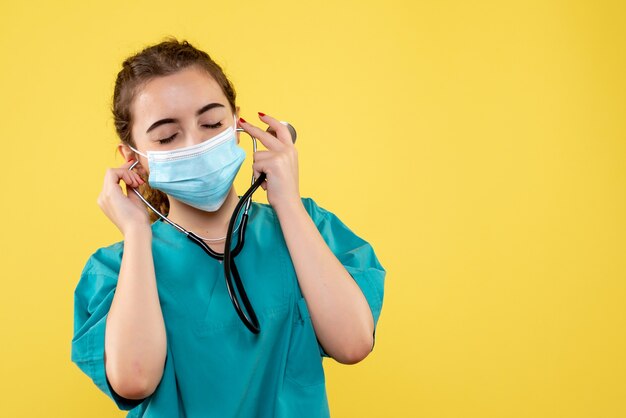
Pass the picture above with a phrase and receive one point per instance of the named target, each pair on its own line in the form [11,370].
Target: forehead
[175,95]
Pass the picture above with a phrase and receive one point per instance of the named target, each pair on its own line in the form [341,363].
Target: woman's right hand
[126,211]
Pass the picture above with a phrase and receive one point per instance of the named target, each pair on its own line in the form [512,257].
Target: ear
[125,151]
[128,154]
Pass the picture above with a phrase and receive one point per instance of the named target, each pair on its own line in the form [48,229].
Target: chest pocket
[304,361]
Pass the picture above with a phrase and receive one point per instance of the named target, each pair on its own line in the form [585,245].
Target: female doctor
[154,327]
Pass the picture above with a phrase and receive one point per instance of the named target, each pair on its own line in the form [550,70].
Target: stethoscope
[228,257]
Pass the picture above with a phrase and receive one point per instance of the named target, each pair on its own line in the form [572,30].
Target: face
[177,110]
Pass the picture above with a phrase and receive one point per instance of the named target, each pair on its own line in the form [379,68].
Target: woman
[154,326]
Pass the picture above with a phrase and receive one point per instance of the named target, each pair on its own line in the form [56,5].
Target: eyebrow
[170,120]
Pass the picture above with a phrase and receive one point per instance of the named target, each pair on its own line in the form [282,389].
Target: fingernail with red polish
[242,120]
[261,114]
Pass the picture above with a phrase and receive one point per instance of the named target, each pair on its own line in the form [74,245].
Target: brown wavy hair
[159,60]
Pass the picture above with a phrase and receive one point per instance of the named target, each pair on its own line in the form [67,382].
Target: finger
[132,171]
[268,140]
[282,132]
[257,170]
[127,164]
[256,174]
[261,168]
[111,187]
[112,178]
[138,177]
[130,179]
[258,167]
[113,175]
[136,181]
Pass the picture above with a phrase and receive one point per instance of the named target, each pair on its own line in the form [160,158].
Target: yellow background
[479,147]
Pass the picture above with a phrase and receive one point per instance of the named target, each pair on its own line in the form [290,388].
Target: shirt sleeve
[356,255]
[92,300]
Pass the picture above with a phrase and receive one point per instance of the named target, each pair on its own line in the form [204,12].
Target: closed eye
[171,138]
[168,139]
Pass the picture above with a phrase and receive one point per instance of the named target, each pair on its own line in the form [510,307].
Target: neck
[207,224]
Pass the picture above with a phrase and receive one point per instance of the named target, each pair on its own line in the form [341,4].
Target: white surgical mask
[199,175]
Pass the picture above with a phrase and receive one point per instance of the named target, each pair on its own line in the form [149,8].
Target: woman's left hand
[279,162]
